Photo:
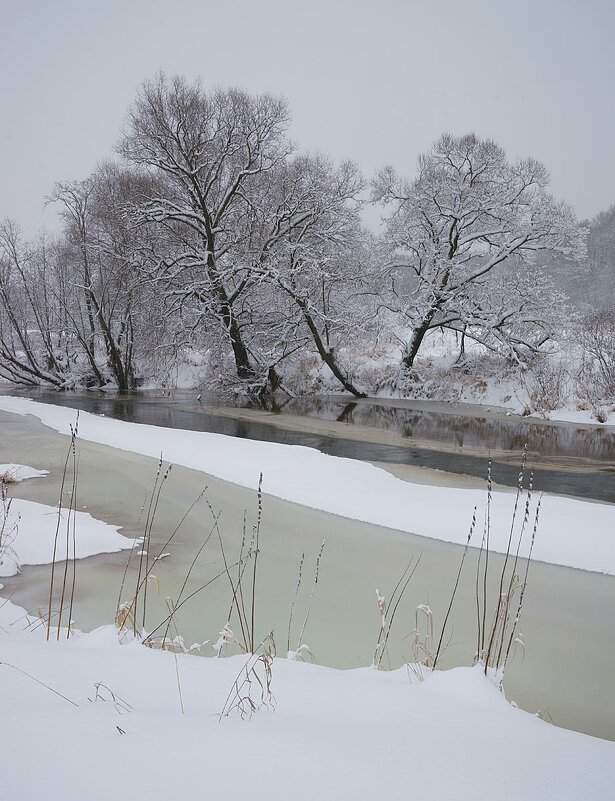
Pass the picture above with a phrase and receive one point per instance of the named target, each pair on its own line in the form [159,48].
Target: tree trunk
[245,371]
[412,348]
[244,368]
[326,354]
[462,349]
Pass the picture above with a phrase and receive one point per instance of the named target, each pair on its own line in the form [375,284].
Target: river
[567,458]
[567,664]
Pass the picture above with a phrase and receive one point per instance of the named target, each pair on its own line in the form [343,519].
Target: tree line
[210,231]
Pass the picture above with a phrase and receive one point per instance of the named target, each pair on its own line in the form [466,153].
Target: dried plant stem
[187,576]
[133,605]
[292,606]
[70,519]
[255,564]
[147,541]
[171,608]
[55,541]
[486,570]
[239,696]
[160,552]
[186,599]
[38,681]
[234,586]
[513,572]
[241,608]
[396,596]
[498,609]
[524,584]
[450,605]
[309,606]
[74,581]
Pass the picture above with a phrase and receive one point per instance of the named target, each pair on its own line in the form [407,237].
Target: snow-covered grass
[574,533]
[90,718]
[550,387]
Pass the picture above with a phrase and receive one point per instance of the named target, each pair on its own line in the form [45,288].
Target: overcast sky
[375,81]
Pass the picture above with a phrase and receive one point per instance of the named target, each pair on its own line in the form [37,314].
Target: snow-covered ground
[548,389]
[571,532]
[89,718]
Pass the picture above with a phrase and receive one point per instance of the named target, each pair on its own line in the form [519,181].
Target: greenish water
[568,624]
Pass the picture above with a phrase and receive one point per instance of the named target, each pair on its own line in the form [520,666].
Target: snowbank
[106,723]
[572,532]
[570,415]
[29,533]
[14,473]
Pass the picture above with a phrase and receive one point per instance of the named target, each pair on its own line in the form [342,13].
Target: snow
[14,473]
[90,718]
[99,719]
[482,380]
[31,529]
[510,396]
[570,415]
[572,532]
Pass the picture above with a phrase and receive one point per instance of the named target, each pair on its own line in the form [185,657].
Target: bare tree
[601,259]
[514,311]
[321,264]
[104,259]
[36,346]
[209,151]
[596,335]
[469,214]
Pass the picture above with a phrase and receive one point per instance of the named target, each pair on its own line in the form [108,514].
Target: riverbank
[566,459]
[573,533]
[561,606]
[131,720]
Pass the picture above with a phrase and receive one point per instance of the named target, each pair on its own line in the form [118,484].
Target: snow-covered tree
[36,341]
[113,307]
[321,266]
[209,152]
[601,259]
[469,216]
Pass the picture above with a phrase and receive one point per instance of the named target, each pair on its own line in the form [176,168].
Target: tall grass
[496,625]
[497,618]
[69,524]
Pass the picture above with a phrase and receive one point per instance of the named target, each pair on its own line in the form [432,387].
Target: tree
[596,335]
[112,308]
[468,216]
[321,265]
[208,152]
[601,259]
[36,344]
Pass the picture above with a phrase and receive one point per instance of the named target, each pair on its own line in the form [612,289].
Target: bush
[597,338]
[549,386]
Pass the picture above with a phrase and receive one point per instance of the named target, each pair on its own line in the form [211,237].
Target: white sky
[375,81]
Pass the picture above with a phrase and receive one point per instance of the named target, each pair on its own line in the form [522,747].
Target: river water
[566,669]
[568,459]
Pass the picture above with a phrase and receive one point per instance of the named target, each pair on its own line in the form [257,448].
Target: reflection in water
[453,443]
[464,431]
